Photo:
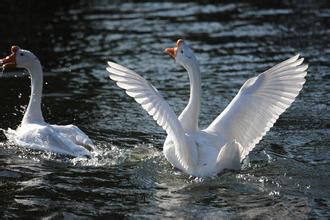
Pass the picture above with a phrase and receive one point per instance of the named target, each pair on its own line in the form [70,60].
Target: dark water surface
[286,176]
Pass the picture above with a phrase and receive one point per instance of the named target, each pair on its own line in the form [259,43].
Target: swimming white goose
[34,132]
[235,132]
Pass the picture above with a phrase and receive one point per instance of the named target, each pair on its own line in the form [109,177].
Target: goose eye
[181,51]
[21,54]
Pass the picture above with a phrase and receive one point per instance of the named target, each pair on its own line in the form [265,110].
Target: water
[285,176]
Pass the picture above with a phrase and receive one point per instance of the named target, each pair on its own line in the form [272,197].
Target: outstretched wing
[151,101]
[259,103]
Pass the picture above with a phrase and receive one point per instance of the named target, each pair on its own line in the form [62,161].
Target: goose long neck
[33,112]
[189,116]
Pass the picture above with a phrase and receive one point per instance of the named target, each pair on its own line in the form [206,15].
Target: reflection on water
[286,176]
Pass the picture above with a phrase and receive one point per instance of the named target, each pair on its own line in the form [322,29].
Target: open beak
[172,51]
[9,62]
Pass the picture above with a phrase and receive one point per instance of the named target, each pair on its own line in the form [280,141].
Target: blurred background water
[286,176]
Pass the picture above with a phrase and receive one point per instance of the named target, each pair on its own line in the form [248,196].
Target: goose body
[235,132]
[33,131]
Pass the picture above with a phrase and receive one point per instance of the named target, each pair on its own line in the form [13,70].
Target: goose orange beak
[9,62]
[172,51]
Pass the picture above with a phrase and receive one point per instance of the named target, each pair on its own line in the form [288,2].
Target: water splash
[110,155]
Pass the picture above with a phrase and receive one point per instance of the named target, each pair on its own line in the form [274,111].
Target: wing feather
[259,103]
[151,101]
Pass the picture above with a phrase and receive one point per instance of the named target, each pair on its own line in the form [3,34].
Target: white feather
[259,103]
[150,99]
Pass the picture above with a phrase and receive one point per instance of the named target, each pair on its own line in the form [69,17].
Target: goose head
[19,58]
[182,54]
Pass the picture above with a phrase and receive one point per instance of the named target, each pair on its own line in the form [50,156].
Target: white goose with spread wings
[34,132]
[235,132]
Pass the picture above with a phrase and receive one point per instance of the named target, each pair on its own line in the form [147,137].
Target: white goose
[34,132]
[235,132]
